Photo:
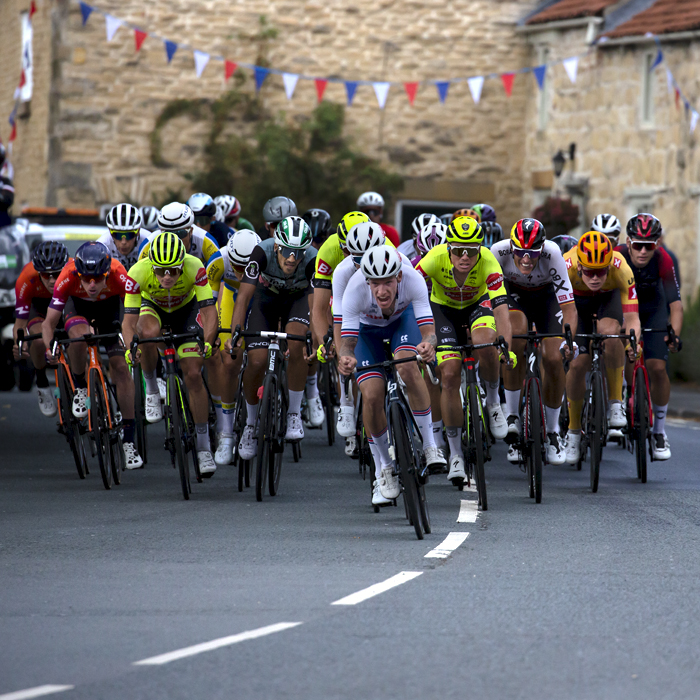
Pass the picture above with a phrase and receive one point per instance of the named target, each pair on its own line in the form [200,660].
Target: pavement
[685,401]
[135,593]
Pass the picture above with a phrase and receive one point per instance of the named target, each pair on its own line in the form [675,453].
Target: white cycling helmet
[361,237]
[607,224]
[124,217]
[227,206]
[430,236]
[175,216]
[421,221]
[370,199]
[240,246]
[149,216]
[381,262]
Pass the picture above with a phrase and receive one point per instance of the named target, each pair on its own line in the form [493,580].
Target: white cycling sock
[216,400]
[492,393]
[437,433]
[381,443]
[376,457]
[151,382]
[424,421]
[203,444]
[227,410]
[454,439]
[552,418]
[345,397]
[512,402]
[295,401]
[252,413]
[312,386]
[659,418]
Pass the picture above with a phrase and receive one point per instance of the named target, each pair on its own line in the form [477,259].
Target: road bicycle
[476,436]
[329,383]
[141,424]
[180,433]
[272,413]
[240,413]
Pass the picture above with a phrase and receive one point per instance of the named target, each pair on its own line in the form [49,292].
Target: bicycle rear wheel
[100,427]
[267,424]
[178,426]
[327,400]
[476,434]
[641,424]
[140,413]
[535,440]
[276,461]
[596,416]
[406,463]
[69,425]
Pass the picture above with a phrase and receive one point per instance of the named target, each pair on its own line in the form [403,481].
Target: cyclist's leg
[513,379]
[76,325]
[37,353]
[610,322]
[148,326]
[229,370]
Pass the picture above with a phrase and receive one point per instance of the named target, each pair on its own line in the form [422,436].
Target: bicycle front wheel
[327,400]
[140,413]
[100,427]
[534,440]
[641,424]
[595,427]
[476,436]
[267,429]
[405,458]
[69,425]
[178,425]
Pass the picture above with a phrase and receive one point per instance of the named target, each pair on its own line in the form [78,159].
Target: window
[647,104]
[542,101]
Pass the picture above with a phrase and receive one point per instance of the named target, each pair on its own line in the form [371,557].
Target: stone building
[85,137]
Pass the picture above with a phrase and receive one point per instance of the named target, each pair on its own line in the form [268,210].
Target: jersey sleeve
[256,264]
[625,283]
[23,291]
[560,275]
[132,289]
[209,248]
[419,296]
[341,277]
[117,279]
[667,272]
[144,250]
[202,290]
[326,262]
[63,288]
[356,299]
[493,281]
[391,234]
[215,271]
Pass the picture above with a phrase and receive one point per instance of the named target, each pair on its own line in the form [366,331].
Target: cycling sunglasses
[288,252]
[587,272]
[471,251]
[525,252]
[93,278]
[372,212]
[643,245]
[124,235]
[181,232]
[50,274]
[357,259]
[173,271]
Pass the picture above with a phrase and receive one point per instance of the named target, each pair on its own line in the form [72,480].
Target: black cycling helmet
[492,232]
[93,258]
[319,221]
[565,243]
[50,256]
[644,227]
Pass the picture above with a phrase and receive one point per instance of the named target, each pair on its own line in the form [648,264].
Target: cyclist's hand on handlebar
[512,360]
[208,350]
[674,346]
[50,357]
[346,365]
[565,350]
[426,352]
[133,358]
[321,355]
[631,354]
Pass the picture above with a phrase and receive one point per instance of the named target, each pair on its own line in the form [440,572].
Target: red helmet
[645,227]
[528,234]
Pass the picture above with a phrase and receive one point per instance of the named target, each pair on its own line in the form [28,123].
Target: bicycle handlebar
[21,338]
[386,364]
[168,338]
[499,343]
[277,335]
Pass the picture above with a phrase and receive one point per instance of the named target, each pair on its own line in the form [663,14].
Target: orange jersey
[620,277]
[29,286]
[68,285]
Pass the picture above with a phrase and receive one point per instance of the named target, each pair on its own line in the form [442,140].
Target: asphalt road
[584,596]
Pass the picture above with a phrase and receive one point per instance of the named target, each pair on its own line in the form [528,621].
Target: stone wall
[108,97]
[620,161]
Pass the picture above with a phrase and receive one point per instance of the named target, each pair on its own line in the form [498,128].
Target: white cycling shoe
[434,458]
[316,412]
[47,405]
[660,446]
[457,475]
[573,446]
[513,456]
[346,421]
[377,498]
[616,415]
[224,452]
[207,466]
[350,445]
[80,401]
[555,449]
[295,428]
[389,483]
[162,388]
[154,411]
[248,445]
[132,459]
[497,421]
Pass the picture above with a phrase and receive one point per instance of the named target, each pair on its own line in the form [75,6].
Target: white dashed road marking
[468,511]
[214,644]
[447,546]
[36,692]
[377,588]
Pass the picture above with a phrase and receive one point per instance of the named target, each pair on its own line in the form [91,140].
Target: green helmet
[167,250]
[293,232]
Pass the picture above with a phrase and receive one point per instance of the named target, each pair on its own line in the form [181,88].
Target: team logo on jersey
[494,281]
[617,261]
[131,286]
[324,268]
[568,263]
[252,270]
[445,329]
[201,278]
[486,303]
[633,292]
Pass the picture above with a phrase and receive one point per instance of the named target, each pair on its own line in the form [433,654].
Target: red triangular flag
[22,79]
[678,98]
[320,87]
[411,90]
[13,135]
[229,68]
[139,38]
[32,9]
[507,79]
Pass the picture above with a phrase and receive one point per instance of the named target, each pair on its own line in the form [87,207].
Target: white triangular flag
[381,90]
[475,86]
[669,81]
[290,82]
[694,121]
[112,24]
[571,68]
[200,62]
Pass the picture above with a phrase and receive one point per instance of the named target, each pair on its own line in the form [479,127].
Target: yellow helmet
[594,250]
[167,250]
[347,222]
[465,231]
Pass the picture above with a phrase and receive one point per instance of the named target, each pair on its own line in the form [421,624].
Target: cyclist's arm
[245,294]
[503,327]
[676,316]
[350,332]
[215,271]
[48,327]
[209,248]
[319,311]
[631,322]
[210,322]
[129,326]
[569,315]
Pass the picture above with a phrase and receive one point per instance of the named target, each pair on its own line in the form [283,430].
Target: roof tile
[570,9]
[662,17]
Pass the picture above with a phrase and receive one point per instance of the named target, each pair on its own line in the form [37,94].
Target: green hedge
[683,366]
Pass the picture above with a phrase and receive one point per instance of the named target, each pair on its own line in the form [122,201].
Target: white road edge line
[214,644]
[447,546]
[468,512]
[377,588]
[36,692]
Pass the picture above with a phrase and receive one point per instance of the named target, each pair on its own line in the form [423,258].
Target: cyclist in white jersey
[126,236]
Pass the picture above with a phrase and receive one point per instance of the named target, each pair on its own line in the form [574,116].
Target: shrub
[559,216]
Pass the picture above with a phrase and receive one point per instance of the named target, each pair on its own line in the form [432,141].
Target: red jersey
[392,234]
[27,287]
[68,285]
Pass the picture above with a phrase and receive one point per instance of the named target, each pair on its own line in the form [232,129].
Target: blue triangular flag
[260,75]
[85,11]
[539,72]
[170,49]
[659,58]
[350,89]
[442,89]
